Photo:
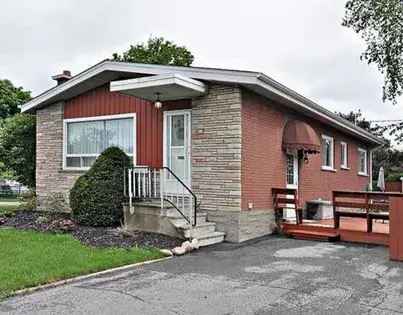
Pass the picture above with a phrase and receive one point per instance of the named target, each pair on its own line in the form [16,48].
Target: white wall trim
[362,150]
[345,156]
[166,114]
[329,167]
[247,78]
[96,118]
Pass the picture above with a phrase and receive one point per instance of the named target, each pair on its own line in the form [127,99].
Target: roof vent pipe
[63,77]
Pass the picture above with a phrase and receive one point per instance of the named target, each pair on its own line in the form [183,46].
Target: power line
[386,120]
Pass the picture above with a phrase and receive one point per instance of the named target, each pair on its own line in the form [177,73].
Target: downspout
[370,170]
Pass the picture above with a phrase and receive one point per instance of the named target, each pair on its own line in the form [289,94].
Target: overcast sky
[299,43]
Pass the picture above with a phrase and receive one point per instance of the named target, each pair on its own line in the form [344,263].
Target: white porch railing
[146,183]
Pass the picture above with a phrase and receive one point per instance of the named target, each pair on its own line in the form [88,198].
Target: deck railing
[362,204]
[147,183]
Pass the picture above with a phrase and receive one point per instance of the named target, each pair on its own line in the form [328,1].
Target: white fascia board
[313,108]
[207,74]
[158,80]
[218,75]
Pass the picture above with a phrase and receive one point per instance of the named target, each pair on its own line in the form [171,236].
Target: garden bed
[92,236]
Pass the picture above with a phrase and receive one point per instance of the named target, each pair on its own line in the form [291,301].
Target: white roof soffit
[255,81]
[165,87]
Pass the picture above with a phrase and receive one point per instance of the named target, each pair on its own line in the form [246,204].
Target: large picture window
[362,162]
[327,153]
[86,139]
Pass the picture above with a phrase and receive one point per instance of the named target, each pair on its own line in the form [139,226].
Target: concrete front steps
[205,232]
[148,216]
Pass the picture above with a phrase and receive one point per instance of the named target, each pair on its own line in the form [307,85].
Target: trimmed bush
[97,196]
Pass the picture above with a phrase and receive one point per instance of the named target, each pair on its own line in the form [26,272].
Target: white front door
[292,180]
[177,141]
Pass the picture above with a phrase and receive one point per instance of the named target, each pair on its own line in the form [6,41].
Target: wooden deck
[351,230]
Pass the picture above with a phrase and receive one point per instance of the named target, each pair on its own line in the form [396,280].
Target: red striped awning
[299,135]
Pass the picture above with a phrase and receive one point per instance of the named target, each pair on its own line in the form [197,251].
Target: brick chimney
[63,77]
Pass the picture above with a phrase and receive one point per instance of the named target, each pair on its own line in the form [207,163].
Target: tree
[11,98]
[386,156]
[359,120]
[380,24]
[17,147]
[157,50]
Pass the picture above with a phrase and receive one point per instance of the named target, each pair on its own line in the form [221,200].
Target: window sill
[346,168]
[328,169]
[363,174]
[73,170]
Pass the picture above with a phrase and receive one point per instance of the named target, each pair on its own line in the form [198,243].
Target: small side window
[343,155]
[327,153]
[362,162]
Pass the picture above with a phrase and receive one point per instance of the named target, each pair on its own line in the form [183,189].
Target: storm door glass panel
[176,145]
[290,170]
[119,133]
[85,137]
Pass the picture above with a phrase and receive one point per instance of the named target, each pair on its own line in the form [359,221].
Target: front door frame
[188,141]
[289,213]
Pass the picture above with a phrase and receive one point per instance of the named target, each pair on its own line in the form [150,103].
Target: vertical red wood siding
[101,101]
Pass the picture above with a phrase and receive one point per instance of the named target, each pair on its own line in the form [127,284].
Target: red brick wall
[263,160]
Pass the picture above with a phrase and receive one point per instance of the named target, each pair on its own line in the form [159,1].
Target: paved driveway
[271,276]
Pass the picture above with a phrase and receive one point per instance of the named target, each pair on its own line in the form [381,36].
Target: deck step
[313,235]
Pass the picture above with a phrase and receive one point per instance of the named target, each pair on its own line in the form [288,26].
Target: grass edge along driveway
[29,258]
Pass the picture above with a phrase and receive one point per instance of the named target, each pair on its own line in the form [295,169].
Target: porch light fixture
[157,103]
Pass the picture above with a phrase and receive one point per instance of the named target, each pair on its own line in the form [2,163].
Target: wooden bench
[284,198]
[360,204]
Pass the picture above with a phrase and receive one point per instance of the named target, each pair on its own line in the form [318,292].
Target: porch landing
[351,230]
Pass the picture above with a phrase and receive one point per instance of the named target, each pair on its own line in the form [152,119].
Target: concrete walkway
[271,276]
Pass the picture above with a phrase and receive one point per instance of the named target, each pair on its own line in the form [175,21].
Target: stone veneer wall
[216,164]
[52,183]
[216,148]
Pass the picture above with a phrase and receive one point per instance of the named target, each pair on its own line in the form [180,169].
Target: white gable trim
[256,81]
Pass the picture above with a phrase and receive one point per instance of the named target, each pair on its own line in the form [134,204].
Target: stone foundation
[148,218]
[240,226]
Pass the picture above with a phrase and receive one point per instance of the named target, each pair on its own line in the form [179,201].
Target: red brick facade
[264,161]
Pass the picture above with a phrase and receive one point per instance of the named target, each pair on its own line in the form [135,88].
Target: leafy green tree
[380,24]
[157,50]
[17,147]
[11,98]
[386,156]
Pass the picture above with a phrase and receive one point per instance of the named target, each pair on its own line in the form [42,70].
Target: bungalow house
[230,136]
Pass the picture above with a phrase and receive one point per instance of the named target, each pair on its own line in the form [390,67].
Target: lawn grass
[29,258]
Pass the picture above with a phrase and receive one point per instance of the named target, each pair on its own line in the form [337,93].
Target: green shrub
[97,196]
[395,177]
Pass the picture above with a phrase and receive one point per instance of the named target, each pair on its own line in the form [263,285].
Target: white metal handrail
[146,183]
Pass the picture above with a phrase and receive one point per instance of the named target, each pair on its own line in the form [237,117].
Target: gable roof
[107,71]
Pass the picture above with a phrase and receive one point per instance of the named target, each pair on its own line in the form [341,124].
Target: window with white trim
[85,139]
[343,155]
[327,153]
[362,161]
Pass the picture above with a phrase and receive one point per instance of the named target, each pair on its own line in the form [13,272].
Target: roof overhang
[107,71]
[166,87]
